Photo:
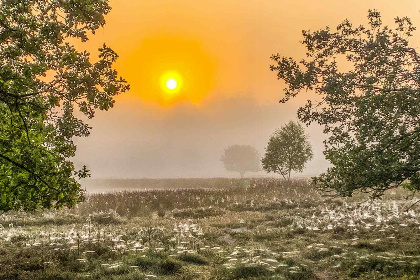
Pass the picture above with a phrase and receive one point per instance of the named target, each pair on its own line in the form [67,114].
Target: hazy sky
[220,51]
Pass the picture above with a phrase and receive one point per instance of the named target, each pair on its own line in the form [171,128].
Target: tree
[43,80]
[369,106]
[287,150]
[242,159]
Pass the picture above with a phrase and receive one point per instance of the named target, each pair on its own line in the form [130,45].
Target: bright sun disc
[171,83]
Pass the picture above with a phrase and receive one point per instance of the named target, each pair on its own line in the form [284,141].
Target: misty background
[223,49]
[185,140]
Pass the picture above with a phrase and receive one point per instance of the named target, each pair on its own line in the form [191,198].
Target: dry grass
[256,229]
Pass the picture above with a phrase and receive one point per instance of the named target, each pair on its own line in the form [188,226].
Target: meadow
[228,229]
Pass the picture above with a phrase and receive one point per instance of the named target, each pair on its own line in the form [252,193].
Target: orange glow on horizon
[220,49]
[159,59]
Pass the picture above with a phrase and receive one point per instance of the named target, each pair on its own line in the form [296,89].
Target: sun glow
[171,83]
[156,60]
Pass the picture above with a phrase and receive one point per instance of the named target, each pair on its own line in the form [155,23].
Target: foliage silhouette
[368,83]
[43,80]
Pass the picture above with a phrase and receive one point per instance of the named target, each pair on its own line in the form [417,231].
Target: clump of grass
[284,222]
[156,263]
[28,260]
[99,250]
[369,246]
[373,267]
[299,273]
[290,262]
[193,258]
[123,272]
[339,230]
[19,238]
[50,274]
[197,213]
[145,263]
[316,254]
[297,231]
[106,218]
[243,272]
[169,266]
[9,275]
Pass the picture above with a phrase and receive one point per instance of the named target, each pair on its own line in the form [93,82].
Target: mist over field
[185,140]
[222,51]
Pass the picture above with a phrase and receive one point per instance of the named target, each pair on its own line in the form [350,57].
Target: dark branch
[21,166]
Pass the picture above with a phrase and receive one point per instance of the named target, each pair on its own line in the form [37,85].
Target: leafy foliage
[43,80]
[288,149]
[368,83]
[242,159]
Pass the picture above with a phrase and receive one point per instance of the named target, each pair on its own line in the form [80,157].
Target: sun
[160,57]
[171,84]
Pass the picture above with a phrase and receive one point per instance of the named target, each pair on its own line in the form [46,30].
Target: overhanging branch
[21,166]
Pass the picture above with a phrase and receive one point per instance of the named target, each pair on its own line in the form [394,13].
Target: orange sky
[220,46]
[221,49]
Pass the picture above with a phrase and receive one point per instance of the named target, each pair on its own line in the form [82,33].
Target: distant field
[112,185]
[216,229]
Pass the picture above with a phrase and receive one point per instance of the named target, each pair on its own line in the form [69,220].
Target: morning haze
[229,96]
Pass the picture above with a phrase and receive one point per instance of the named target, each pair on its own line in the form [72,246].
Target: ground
[240,229]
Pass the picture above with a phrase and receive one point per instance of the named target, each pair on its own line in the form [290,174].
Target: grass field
[249,229]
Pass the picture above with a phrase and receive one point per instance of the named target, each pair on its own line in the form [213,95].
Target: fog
[222,50]
[184,140]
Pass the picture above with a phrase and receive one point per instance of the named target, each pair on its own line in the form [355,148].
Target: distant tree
[242,159]
[369,106]
[287,150]
[43,80]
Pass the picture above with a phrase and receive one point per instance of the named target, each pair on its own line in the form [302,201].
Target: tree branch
[18,96]
[21,166]
[413,52]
